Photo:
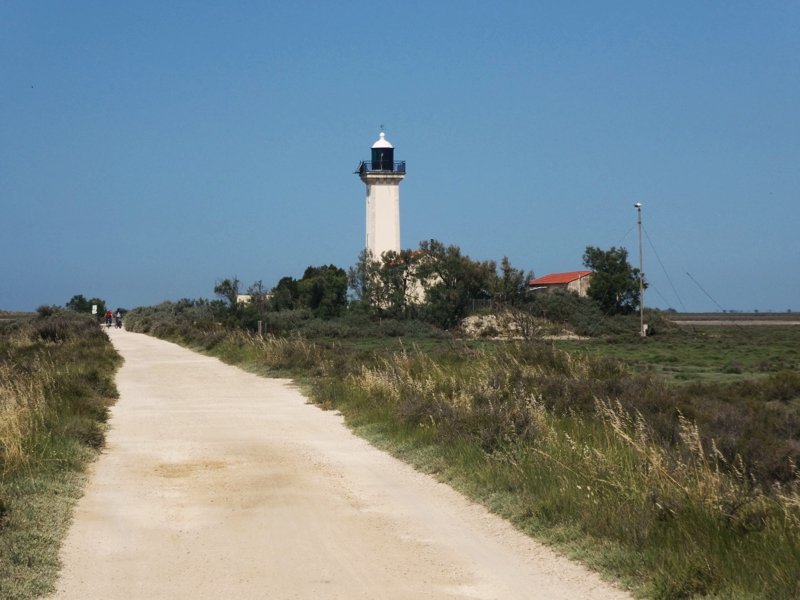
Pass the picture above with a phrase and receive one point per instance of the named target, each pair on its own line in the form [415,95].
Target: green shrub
[783,386]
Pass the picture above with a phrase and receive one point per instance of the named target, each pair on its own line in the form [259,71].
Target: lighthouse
[382,176]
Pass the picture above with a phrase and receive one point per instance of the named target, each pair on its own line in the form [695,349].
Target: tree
[452,281]
[398,283]
[511,284]
[259,298]
[228,290]
[79,303]
[435,281]
[285,295]
[615,284]
[323,290]
[388,287]
[364,279]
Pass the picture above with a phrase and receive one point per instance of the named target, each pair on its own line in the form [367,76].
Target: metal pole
[643,331]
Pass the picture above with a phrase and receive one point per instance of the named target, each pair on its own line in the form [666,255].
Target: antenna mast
[643,329]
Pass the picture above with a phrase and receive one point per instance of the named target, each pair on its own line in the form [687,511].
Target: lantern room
[382,159]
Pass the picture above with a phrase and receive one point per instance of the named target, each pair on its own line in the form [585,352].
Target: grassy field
[675,488]
[13,315]
[708,352]
[56,383]
[741,317]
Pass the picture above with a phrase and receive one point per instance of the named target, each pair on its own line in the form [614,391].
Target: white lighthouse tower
[382,176]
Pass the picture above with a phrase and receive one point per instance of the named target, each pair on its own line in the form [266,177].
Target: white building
[382,176]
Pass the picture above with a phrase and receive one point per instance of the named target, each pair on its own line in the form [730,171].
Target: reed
[22,405]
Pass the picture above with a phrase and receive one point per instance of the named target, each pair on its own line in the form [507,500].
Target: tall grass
[22,405]
[684,519]
[56,383]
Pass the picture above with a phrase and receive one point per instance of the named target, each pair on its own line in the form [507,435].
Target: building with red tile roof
[573,281]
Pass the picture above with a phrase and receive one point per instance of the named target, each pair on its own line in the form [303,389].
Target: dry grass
[22,405]
[686,519]
[56,383]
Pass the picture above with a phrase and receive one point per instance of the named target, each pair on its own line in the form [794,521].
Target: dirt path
[220,484]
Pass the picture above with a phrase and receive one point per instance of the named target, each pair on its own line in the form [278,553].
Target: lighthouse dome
[382,142]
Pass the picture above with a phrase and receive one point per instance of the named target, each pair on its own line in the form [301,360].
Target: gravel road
[216,483]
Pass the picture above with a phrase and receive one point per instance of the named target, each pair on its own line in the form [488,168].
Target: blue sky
[148,149]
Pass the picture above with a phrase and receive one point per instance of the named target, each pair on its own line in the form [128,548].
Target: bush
[47,311]
[783,386]
[285,322]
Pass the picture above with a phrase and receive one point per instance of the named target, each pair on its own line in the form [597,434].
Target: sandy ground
[220,484]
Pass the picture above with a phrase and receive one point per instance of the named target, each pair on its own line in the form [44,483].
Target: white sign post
[94,309]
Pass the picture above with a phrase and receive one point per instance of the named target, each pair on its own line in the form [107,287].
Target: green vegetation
[615,284]
[705,353]
[678,490]
[435,283]
[56,383]
[80,304]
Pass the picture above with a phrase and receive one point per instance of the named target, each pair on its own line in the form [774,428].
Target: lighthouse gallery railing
[381,166]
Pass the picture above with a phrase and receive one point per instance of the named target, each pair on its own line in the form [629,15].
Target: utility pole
[643,330]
